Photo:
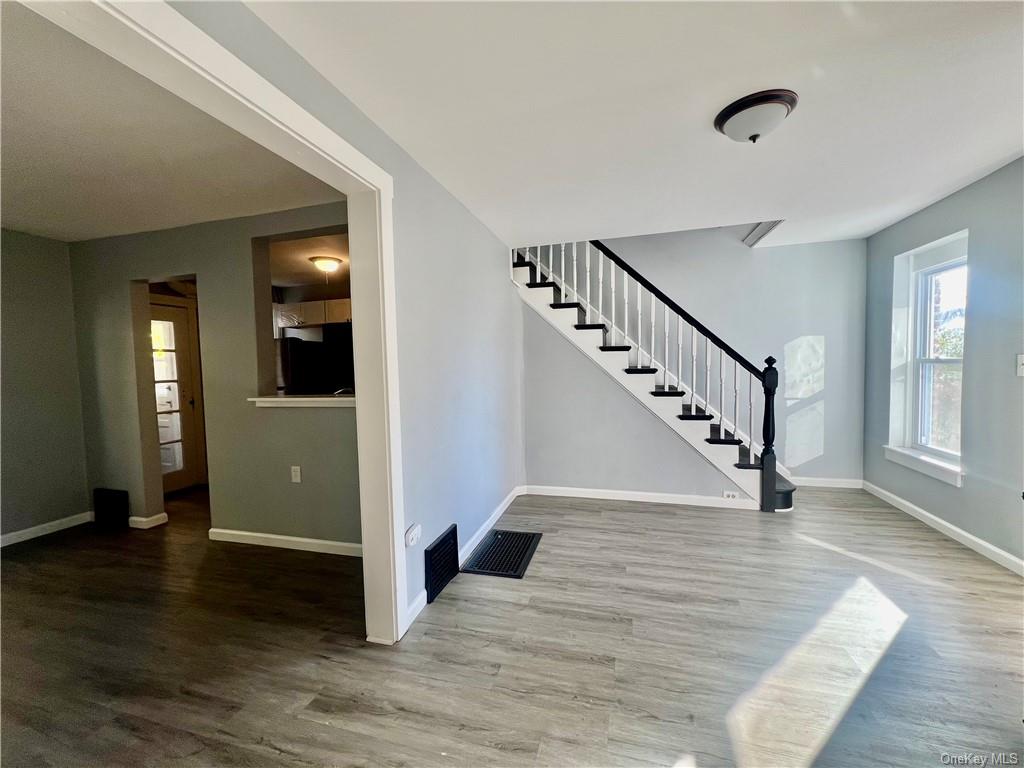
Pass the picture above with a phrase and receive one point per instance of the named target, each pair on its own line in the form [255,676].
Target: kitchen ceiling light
[756,115]
[326,263]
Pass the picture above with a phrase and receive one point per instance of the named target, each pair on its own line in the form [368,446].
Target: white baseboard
[654,498]
[287,542]
[826,482]
[147,522]
[405,621]
[41,530]
[982,547]
[467,549]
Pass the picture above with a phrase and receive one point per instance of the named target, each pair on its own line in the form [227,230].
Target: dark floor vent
[503,553]
[441,560]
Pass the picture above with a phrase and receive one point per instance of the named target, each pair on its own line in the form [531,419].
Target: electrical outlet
[730,495]
[296,474]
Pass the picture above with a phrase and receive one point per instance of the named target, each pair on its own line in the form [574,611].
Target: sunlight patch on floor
[796,705]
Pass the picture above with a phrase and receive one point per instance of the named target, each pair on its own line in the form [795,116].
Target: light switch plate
[1020,365]
[296,474]
[412,535]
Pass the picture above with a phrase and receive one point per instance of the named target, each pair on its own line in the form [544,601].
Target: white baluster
[611,274]
[561,290]
[586,311]
[625,310]
[721,395]
[693,368]
[750,416]
[639,327]
[679,353]
[652,330]
[600,287]
[707,375]
[735,398]
[575,293]
[664,378]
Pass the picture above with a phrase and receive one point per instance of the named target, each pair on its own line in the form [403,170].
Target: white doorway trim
[161,44]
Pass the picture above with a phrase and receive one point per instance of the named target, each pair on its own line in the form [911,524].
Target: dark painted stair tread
[662,391]
[615,347]
[746,465]
[717,438]
[566,304]
[782,485]
[540,284]
[693,415]
[641,369]
[590,327]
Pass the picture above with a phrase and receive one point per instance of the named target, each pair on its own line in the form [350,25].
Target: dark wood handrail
[704,330]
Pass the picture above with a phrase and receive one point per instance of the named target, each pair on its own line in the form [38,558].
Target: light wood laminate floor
[636,630]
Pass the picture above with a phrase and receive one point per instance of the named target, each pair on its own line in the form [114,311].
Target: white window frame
[921,341]
[911,272]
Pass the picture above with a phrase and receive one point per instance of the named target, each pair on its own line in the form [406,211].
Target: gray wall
[989,502]
[803,304]
[595,434]
[249,450]
[43,459]
[459,320]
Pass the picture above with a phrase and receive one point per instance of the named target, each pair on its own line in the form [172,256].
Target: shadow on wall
[804,392]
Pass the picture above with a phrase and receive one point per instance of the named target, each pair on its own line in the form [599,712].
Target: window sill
[925,464]
[282,401]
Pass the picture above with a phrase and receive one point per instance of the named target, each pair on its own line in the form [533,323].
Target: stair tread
[641,369]
[671,392]
[723,441]
[694,416]
[540,284]
[615,348]
[591,327]
[566,304]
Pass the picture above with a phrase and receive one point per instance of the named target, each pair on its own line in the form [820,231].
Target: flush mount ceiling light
[326,263]
[756,115]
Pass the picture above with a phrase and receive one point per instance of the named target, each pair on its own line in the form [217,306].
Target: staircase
[698,385]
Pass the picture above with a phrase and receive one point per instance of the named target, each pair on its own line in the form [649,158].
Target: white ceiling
[553,121]
[290,264]
[91,148]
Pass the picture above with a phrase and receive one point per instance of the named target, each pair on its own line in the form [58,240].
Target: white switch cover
[412,535]
[1020,365]
[296,474]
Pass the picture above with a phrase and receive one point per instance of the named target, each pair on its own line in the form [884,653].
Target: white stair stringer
[723,457]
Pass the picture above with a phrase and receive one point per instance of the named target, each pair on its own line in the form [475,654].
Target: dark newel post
[770,383]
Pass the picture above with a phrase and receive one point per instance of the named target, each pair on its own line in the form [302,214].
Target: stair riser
[694,432]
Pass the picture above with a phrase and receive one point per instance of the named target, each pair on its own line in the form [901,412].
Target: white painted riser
[722,457]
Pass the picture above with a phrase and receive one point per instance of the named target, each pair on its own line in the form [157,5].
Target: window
[938,365]
[929,317]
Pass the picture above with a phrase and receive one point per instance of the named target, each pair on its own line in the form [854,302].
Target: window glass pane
[166,397]
[169,426]
[165,365]
[947,300]
[162,333]
[939,417]
[170,458]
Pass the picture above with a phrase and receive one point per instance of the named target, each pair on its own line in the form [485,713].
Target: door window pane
[170,458]
[947,301]
[939,418]
[169,426]
[165,365]
[162,333]
[167,397]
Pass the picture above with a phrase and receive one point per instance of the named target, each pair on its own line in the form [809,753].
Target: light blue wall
[459,320]
[595,434]
[989,503]
[43,450]
[803,305]
[249,449]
